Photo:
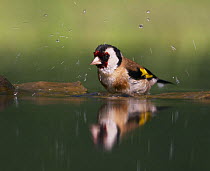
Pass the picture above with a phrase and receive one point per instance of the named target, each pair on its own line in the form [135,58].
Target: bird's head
[107,56]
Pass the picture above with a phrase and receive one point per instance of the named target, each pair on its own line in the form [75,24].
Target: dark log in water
[43,88]
[6,87]
[182,95]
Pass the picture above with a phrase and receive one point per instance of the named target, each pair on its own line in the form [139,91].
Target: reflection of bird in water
[117,117]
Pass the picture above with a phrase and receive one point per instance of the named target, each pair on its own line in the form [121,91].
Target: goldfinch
[122,75]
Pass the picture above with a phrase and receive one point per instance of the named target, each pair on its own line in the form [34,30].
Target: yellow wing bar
[145,73]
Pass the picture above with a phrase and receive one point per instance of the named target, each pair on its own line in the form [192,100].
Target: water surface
[39,133]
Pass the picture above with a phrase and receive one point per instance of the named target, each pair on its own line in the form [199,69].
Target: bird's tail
[161,83]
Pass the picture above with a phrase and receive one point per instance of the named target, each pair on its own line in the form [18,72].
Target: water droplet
[194,45]
[79,76]
[106,20]
[171,150]
[18,55]
[57,41]
[187,73]
[173,48]
[85,77]
[52,68]
[150,50]
[176,116]
[176,79]
[84,11]
[148,11]
[148,19]
[45,15]
[141,26]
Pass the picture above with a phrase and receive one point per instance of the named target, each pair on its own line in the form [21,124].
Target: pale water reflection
[116,118]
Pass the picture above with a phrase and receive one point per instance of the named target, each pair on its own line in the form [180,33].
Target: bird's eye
[106,56]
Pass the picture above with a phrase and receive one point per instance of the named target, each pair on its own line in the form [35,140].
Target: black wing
[140,73]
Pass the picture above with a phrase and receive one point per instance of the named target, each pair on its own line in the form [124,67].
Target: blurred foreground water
[41,133]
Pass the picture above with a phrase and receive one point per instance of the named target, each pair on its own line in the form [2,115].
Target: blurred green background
[54,40]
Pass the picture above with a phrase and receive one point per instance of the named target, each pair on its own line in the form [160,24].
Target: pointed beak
[96,61]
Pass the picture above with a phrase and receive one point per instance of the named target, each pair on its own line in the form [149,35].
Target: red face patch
[100,54]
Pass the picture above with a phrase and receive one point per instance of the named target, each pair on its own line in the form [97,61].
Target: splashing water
[173,48]
[77,62]
[18,55]
[85,77]
[171,150]
[52,68]
[79,76]
[141,26]
[105,20]
[148,11]
[177,80]
[194,45]
[187,73]
[150,50]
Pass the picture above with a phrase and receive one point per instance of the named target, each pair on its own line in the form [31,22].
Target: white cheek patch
[113,60]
